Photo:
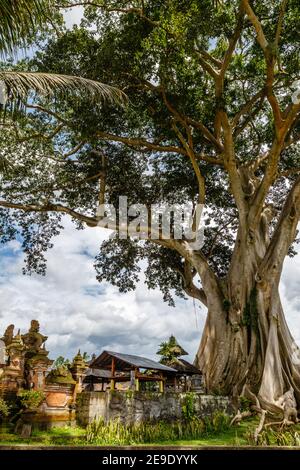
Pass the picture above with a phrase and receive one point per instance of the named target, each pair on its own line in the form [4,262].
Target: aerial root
[259,428]
[240,416]
[286,406]
[284,422]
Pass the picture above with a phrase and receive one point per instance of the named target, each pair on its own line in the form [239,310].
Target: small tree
[31,399]
[61,362]
[170,350]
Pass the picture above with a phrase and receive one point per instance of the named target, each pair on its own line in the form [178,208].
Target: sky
[75,311]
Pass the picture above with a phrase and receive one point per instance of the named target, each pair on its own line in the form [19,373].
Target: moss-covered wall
[143,406]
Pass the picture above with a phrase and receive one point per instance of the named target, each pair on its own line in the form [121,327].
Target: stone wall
[143,406]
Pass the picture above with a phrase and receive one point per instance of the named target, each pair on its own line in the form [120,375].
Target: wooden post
[175,383]
[137,382]
[113,370]
[161,384]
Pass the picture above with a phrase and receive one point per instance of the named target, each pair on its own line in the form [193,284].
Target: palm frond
[19,84]
[18,18]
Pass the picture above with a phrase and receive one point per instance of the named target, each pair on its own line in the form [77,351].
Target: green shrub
[4,409]
[245,404]
[116,433]
[218,423]
[188,406]
[270,437]
[30,399]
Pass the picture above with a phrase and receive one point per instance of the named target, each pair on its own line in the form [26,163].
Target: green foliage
[188,406]
[60,372]
[115,433]
[170,350]
[218,423]
[244,404]
[145,54]
[31,399]
[61,362]
[271,437]
[18,19]
[4,409]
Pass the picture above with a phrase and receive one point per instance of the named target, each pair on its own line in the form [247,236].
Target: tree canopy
[213,119]
[182,65]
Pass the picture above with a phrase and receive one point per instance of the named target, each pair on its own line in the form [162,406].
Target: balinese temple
[131,371]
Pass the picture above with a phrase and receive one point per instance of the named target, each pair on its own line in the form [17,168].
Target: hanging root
[259,428]
[284,422]
[288,407]
[239,417]
[285,406]
[246,393]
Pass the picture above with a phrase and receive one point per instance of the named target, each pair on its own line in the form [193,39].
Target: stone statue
[8,335]
[33,340]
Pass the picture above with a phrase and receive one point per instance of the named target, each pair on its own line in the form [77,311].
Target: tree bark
[246,340]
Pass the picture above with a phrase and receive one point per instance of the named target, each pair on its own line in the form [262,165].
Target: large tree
[212,119]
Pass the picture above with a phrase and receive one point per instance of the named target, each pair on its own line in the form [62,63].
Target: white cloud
[75,311]
[73,16]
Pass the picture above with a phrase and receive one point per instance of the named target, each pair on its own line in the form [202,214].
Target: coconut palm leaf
[18,18]
[19,84]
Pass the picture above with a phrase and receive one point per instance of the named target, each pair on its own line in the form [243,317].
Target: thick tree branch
[190,152]
[42,136]
[189,287]
[231,166]
[283,236]
[271,172]
[140,143]
[247,107]
[74,149]
[280,22]
[270,59]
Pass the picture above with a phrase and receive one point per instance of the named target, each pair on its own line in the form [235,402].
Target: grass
[75,436]
[65,431]
[234,436]
[56,436]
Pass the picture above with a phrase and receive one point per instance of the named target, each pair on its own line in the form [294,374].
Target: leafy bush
[31,399]
[244,404]
[188,406]
[270,437]
[4,409]
[117,433]
[218,423]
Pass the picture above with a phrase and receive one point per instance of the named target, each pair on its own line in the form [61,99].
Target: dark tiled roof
[124,361]
[184,367]
[101,373]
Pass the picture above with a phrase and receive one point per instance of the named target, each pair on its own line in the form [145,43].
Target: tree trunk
[246,340]
[252,346]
